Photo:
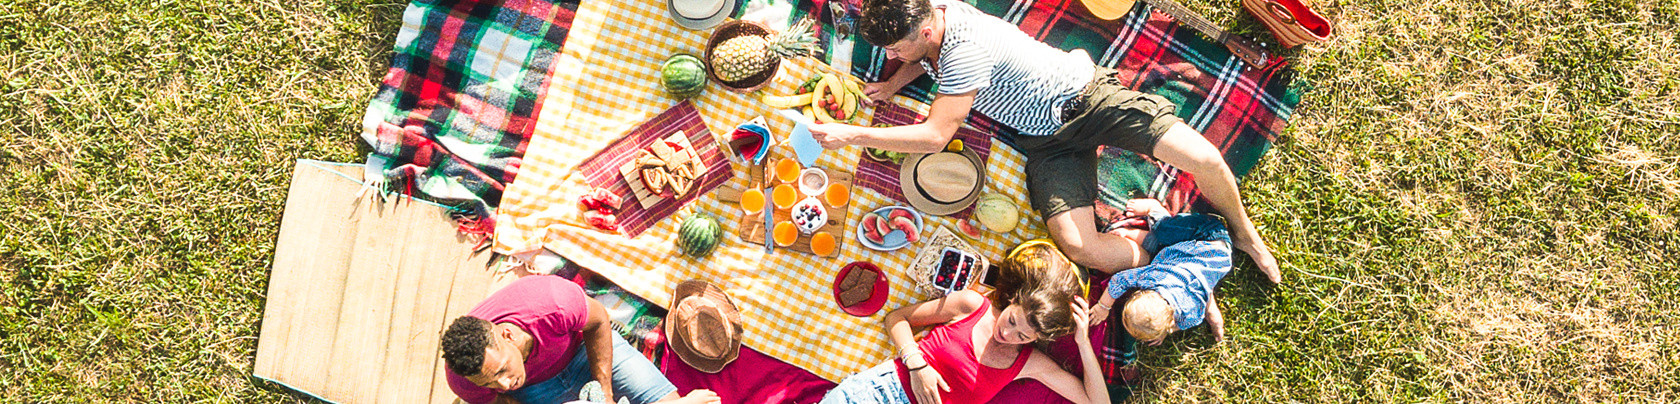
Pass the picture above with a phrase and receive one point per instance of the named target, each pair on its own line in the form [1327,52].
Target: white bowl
[817,187]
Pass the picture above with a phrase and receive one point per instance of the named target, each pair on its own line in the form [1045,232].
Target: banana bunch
[827,98]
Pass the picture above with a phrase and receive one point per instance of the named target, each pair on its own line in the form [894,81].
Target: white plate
[894,240]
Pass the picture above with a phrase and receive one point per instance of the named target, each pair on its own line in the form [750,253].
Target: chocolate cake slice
[857,286]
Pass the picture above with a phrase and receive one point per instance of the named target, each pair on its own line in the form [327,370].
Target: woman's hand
[926,384]
[1082,322]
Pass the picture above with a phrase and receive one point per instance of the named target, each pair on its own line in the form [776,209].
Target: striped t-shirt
[1022,82]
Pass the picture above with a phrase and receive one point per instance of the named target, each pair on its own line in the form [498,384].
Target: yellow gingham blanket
[605,83]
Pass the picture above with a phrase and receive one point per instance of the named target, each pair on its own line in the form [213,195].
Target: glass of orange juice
[752,201]
[787,170]
[784,196]
[837,195]
[785,234]
[823,244]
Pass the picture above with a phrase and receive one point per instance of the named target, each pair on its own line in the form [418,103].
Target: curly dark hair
[885,22]
[464,343]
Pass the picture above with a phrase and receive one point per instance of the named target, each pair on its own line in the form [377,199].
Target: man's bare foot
[1262,257]
[698,397]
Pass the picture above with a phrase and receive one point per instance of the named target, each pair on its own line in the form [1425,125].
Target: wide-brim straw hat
[942,183]
[704,326]
[700,14]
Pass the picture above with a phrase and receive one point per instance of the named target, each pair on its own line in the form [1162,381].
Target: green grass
[1475,202]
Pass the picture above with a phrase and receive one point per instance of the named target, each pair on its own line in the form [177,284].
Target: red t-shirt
[550,308]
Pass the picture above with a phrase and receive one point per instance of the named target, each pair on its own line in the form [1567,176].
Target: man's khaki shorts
[1062,167]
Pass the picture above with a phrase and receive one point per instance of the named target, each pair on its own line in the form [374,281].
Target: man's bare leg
[1075,231]
[1186,149]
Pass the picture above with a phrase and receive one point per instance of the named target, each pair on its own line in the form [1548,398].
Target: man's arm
[882,91]
[945,115]
[597,342]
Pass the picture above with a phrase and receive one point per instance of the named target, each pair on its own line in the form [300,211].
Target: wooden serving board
[752,226]
[633,177]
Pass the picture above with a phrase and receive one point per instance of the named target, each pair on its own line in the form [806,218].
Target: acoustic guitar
[1251,53]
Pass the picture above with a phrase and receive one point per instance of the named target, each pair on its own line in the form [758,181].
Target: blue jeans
[878,385]
[633,376]
[1185,227]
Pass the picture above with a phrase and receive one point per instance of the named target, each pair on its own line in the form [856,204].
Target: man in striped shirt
[1062,104]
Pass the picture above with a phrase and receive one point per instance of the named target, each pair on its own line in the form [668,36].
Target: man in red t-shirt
[539,340]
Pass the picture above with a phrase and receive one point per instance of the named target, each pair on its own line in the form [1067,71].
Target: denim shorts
[878,385]
[633,377]
[1186,227]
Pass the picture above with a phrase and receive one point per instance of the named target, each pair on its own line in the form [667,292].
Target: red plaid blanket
[1238,108]
[453,115]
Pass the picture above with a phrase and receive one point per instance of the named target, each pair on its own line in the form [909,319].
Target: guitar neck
[1243,48]
[1190,18]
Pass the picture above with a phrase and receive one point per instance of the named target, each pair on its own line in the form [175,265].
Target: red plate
[877,298]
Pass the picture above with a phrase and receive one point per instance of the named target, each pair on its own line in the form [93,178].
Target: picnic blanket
[453,115]
[613,56]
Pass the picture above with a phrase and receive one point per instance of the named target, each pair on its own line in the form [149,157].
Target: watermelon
[968,229]
[871,228]
[906,225]
[881,226]
[699,235]
[684,76]
[898,213]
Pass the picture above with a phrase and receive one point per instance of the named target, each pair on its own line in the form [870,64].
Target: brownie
[857,287]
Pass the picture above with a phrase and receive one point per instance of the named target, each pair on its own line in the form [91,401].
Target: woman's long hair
[1043,282]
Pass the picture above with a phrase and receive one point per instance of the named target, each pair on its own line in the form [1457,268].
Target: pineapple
[744,56]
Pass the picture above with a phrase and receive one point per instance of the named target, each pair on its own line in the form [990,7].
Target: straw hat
[942,183]
[704,327]
[700,14]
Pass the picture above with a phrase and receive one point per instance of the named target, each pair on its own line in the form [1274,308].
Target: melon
[997,213]
[699,235]
[907,226]
[684,76]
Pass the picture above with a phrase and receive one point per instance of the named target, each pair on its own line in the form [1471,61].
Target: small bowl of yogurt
[813,181]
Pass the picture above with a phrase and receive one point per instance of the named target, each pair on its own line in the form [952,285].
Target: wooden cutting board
[633,176]
[752,226]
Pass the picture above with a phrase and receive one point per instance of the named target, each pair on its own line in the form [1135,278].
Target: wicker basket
[927,260]
[730,30]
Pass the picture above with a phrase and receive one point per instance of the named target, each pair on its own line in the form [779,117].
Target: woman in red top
[978,345]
